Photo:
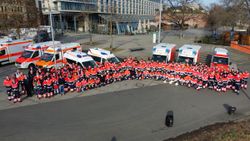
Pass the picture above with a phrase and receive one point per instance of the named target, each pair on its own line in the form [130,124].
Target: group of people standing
[45,83]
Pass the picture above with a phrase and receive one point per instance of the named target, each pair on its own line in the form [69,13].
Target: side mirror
[230,63]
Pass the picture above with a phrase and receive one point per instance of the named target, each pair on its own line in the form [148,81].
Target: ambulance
[80,58]
[101,55]
[189,54]
[220,58]
[164,52]
[54,56]
[33,53]
[11,49]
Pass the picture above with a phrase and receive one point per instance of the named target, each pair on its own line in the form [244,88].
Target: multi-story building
[18,13]
[97,15]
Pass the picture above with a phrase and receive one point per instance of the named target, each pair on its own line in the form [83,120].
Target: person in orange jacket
[20,79]
[15,90]
[78,85]
[7,83]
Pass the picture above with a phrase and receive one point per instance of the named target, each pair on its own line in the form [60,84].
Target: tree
[216,16]
[237,13]
[180,12]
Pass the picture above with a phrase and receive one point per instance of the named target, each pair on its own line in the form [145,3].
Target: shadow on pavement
[113,138]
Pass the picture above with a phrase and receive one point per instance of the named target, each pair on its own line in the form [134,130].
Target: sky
[208,2]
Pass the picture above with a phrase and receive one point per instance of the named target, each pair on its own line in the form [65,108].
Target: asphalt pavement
[130,115]
[109,114]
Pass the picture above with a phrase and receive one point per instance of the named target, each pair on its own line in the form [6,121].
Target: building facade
[101,15]
[18,14]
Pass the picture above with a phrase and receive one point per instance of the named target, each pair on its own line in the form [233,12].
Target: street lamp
[111,25]
[52,31]
[159,36]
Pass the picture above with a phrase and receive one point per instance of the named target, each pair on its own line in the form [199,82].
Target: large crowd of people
[45,83]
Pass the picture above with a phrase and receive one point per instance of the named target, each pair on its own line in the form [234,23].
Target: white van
[101,55]
[10,50]
[164,52]
[189,54]
[33,53]
[79,58]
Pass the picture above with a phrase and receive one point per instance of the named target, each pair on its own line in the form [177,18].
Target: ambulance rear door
[4,56]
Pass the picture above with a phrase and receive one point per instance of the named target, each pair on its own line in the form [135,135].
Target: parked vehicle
[80,58]
[164,52]
[33,53]
[54,56]
[101,55]
[189,54]
[220,58]
[11,49]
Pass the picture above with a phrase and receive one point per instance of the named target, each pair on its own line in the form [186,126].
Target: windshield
[47,57]
[88,64]
[113,60]
[159,58]
[27,54]
[2,52]
[188,60]
[220,60]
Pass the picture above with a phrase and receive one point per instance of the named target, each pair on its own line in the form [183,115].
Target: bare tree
[216,16]
[237,12]
[180,12]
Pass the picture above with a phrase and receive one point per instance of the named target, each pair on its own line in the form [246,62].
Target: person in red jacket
[49,87]
[15,90]
[7,83]
[45,91]
[78,85]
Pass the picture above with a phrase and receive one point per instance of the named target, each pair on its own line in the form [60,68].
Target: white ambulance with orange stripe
[54,56]
[189,54]
[11,49]
[220,58]
[33,53]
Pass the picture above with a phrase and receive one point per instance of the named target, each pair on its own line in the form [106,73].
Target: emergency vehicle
[33,53]
[79,58]
[54,56]
[220,58]
[189,54]
[11,49]
[101,55]
[164,52]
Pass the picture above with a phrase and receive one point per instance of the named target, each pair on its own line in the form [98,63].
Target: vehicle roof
[10,41]
[188,46]
[221,51]
[77,56]
[165,45]
[43,45]
[63,47]
[100,53]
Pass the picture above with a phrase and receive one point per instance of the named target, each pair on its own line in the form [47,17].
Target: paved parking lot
[129,115]
[123,45]
[130,110]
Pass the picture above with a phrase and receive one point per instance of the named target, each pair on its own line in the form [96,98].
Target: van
[33,53]
[102,55]
[164,52]
[10,49]
[189,54]
[53,57]
[80,58]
